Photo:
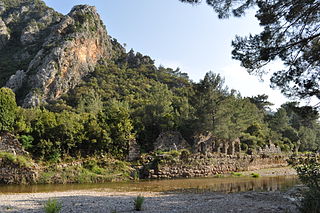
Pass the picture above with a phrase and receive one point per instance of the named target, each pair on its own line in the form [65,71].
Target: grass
[52,206]
[255,175]
[19,160]
[236,174]
[92,170]
[138,202]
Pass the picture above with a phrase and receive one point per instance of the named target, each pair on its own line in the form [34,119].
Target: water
[225,185]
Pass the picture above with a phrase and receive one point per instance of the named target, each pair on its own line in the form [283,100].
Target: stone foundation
[9,143]
[11,173]
[205,166]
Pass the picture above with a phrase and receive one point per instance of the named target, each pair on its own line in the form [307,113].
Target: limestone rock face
[4,34]
[65,49]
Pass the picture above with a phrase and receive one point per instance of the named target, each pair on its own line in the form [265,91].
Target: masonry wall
[205,166]
[11,173]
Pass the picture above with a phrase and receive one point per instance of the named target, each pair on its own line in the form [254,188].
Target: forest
[129,98]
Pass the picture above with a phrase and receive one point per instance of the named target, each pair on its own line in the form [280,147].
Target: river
[223,184]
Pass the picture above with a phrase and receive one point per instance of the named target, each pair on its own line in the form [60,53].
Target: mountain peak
[67,48]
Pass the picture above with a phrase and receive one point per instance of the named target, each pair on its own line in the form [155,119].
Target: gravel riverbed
[104,201]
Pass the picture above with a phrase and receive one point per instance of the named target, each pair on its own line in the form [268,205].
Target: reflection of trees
[233,185]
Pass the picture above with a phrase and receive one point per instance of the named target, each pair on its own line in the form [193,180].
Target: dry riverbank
[281,171]
[105,201]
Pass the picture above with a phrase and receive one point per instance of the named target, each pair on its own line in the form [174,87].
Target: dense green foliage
[20,161]
[308,169]
[7,109]
[131,99]
[95,169]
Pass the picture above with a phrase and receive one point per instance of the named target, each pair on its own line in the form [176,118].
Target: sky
[181,35]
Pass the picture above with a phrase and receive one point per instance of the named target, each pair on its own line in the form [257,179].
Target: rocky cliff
[43,53]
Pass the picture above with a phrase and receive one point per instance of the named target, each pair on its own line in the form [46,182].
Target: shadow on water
[225,185]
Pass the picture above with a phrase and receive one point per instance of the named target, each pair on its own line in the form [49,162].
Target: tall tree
[291,33]
[261,102]
[210,92]
[8,108]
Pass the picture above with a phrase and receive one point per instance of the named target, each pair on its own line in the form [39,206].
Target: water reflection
[226,185]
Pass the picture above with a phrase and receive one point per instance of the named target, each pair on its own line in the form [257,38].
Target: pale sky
[180,35]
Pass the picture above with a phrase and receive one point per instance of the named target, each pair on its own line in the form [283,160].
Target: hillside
[44,53]
[81,94]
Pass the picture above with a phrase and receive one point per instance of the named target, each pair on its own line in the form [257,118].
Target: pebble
[93,201]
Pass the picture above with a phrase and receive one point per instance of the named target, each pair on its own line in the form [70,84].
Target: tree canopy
[291,33]
[130,99]
[7,109]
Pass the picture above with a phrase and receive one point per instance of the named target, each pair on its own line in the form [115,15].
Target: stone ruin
[10,172]
[9,143]
[207,143]
[203,143]
[134,150]
[170,140]
[271,149]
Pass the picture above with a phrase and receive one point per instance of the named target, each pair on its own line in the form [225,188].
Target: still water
[225,185]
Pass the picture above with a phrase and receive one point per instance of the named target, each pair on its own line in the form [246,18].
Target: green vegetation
[52,206]
[92,170]
[138,202]
[236,174]
[19,160]
[128,98]
[8,108]
[308,169]
[290,33]
[132,99]
[255,175]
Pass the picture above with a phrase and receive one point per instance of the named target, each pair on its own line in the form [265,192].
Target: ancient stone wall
[170,140]
[134,150]
[207,143]
[270,149]
[210,165]
[11,173]
[9,143]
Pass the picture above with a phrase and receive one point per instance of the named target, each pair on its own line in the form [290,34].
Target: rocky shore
[97,201]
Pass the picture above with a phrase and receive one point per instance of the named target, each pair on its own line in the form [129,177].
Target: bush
[19,160]
[308,169]
[255,175]
[52,206]
[8,109]
[236,174]
[138,202]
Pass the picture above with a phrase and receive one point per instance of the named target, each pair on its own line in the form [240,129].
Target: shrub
[255,175]
[308,169]
[184,154]
[8,109]
[19,160]
[138,202]
[52,206]
[236,174]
